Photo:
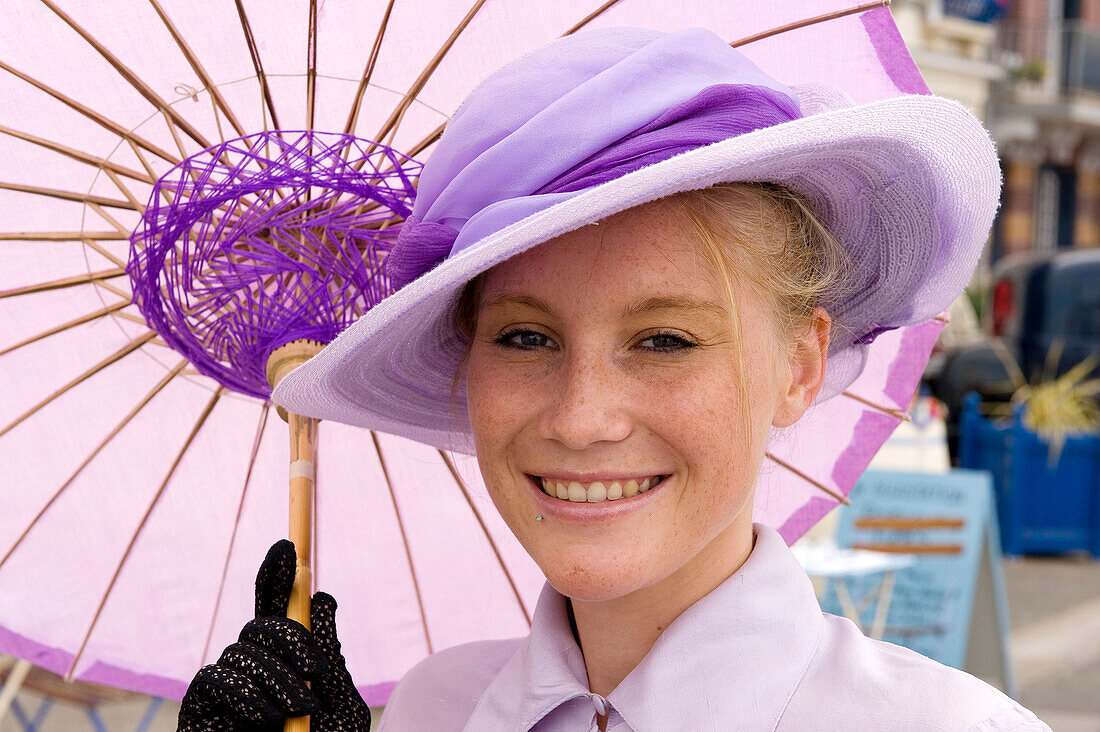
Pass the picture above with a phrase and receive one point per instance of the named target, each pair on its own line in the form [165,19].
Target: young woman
[634,260]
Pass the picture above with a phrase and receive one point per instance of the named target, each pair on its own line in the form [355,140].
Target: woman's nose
[587,404]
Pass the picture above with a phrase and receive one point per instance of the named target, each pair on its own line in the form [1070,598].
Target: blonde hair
[768,236]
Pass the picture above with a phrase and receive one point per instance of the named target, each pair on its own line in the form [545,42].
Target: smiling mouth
[596,491]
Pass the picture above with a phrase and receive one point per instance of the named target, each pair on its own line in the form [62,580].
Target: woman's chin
[596,581]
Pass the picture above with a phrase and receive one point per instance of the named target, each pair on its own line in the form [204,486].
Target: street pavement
[1054,615]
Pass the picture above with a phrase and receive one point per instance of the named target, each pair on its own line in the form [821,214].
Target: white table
[833,564]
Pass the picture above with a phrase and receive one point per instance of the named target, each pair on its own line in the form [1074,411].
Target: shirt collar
[736,655]
[547,671]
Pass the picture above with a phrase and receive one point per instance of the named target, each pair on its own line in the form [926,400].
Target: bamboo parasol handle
[303,446]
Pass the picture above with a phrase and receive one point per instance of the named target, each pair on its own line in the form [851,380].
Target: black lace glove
[259,681]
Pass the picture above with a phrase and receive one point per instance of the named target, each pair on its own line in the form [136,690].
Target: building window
[1055,208]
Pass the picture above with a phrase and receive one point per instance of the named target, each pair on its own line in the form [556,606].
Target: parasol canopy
[145,472]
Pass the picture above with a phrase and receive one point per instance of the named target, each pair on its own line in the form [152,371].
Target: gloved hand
[260,680]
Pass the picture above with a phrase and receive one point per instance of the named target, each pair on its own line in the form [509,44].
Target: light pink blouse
[756,653]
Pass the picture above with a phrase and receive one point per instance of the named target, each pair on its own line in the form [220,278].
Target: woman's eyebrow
[671,302]
[515,298]
[676,302]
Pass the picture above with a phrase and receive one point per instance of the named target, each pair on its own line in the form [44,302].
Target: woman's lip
[588,478]
[588,513]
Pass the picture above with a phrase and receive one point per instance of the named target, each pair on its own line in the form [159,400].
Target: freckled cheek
[692,410]
[499,403]
[704,420]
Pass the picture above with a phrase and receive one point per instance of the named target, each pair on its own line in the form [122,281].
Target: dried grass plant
[1054,408]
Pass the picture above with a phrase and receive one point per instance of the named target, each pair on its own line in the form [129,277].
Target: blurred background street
[1054,606]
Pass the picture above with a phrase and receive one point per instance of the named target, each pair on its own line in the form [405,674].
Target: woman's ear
[806,368]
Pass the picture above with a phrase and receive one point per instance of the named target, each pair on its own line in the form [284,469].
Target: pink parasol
[145,485]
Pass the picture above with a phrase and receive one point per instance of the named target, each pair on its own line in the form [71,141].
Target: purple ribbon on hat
[639,111]
[875,331]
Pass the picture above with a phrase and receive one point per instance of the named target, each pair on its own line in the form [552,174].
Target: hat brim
[909,185]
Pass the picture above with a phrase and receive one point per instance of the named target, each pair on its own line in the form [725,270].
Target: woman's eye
[524,339]
[665,342]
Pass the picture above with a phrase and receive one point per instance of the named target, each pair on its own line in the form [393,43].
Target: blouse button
[600,703]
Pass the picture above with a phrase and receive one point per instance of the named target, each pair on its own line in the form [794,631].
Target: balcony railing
[1081,51]
[1032,52]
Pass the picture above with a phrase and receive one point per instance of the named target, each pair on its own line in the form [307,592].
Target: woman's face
[605,363]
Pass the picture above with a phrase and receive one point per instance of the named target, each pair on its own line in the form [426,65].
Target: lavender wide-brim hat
[602,121]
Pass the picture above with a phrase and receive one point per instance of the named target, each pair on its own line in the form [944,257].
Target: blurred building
[1030,69]
[1045,118]
[954,43]
[35,700]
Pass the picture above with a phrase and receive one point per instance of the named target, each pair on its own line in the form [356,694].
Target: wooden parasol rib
[427,141]
[592,16]
[64,282]
[311,64]
[257,64]
[179,143]
[69,196]
[119,354]
[103,253]
[110,219]
[399,112]
[73,236]
[74,154]
[810,21]
[260,429]
[368,71]
[485,530]
[66,326]
[99,448]
[131,78]
[106,285]
[141,525]
[125,190]
[198,68]
[93,115]
[405,540]
[393,122]
[46,684]
[896,413]
[139,319]
[820,486]
[149,169]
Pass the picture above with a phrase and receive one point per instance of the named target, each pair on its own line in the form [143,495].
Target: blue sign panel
[947,523]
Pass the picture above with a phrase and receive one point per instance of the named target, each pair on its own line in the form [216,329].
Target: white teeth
[598,491]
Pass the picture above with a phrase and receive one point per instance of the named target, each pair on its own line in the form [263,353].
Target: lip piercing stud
[538,517]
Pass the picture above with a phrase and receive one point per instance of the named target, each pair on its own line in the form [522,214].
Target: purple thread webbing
[259,242]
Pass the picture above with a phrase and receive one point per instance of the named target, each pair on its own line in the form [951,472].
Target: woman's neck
[615,635]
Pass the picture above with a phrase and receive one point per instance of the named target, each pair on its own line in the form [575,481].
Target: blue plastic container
[1042,508]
